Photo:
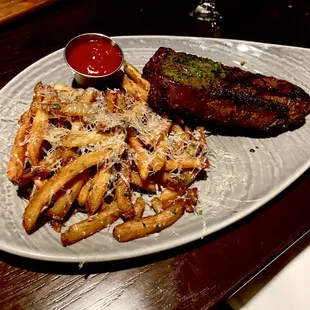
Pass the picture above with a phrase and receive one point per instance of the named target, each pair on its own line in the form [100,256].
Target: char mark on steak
[199,88]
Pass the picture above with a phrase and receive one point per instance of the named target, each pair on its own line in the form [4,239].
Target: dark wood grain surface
[13,9]
[195,276]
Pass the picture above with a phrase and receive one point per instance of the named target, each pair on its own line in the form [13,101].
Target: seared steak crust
[199,88]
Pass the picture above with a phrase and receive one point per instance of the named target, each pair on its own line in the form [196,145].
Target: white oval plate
[239,182]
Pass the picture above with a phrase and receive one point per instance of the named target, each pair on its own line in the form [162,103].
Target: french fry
[46,165]
[202,135]
[66,197]
[156,205]
[168,196]
[187,163]
[83,138]
[159,156]
[110,98]
[62,87]
[74,109]
[130,87]
[139,207]
[123,193]
[147,185]
[36,136]
[181,143]
[176,182]
[91,225]
[54,184]
[88,96]
[18,152]
[135,75]
[97,191]
[142,154]
[39,183]
[139,228]
[68,132]
[175,128]
[83,195]
[76,126]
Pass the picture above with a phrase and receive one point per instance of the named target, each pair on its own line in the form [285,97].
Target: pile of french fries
[106,155]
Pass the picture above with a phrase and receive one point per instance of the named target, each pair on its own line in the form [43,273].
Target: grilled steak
[199,88]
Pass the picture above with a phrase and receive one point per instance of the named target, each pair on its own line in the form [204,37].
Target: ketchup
[95,57]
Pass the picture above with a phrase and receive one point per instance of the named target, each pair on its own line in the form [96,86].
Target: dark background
[22,41]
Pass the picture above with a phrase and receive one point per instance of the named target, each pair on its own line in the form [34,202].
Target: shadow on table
[102,267]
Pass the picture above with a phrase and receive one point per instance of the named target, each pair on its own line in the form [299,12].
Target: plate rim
[170,243]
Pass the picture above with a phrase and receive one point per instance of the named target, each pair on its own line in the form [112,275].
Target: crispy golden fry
[179,146]
[110,99]
[39,183]
[147,185]
[43,97]
[176,182]
[139,207]
[134,90]
[159,156]
[36,136]
[175,128]
[62,87]
[54,184]
[156,205]
[161,147]
[142,154]
[74,109]
[18,151]
[120,103]
[187,163]
[88,96]
[123,193]
[83,195]
[62,117]
[66,197]
[139,228]
[46,165]
[76,126]
[168,196]
[202,135]
[100,185]
[191,198]
[91,225]
[135,75]
[130,87]
[83,138]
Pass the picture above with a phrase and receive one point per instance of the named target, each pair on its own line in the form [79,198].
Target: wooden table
[195,276]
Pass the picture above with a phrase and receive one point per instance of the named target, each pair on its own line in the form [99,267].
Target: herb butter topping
[194,71]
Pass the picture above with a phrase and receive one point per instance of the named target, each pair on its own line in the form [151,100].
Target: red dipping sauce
[95,56]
